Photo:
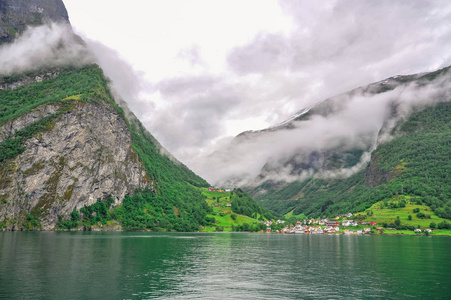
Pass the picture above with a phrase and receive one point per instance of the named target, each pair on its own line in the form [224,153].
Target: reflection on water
[76,265]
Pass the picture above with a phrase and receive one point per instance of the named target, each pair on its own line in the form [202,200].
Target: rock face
[26,80]
[374,176]
[16,15]
[84,155]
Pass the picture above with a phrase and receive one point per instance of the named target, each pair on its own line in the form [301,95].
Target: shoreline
[223,232]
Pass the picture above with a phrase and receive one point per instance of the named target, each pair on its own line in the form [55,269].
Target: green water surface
[87,265]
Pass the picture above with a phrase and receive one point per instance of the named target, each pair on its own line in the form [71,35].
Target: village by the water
[325,226]
[334,226]
[348,224]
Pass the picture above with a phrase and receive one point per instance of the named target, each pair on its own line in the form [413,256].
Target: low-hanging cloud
[360,121]
[50,45]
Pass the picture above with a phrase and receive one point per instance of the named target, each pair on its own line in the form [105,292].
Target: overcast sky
[206,70]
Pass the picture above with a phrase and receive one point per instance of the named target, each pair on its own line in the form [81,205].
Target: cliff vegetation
[70,158]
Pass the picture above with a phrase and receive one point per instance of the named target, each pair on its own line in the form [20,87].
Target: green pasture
[223,213]
[380,213]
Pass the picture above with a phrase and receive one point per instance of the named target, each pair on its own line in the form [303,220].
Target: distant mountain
[325,162]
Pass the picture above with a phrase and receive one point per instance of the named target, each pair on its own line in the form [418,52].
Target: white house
[348,223]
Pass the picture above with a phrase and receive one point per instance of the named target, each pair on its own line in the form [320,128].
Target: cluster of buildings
[427,230]
[212,189]
[227,205]
[323,226]
[329,228]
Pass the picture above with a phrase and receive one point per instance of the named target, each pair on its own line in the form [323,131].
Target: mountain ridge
[314,194]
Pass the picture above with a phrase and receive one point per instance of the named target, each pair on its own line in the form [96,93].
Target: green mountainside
[416,162]
[170,200]
[176,203]
[235,211]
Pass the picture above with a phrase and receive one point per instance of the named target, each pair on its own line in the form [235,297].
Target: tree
[433,225]
[443,225]
[409,217]
[75,216]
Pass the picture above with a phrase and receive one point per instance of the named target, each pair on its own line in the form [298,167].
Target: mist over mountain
[334,138]
[301,165]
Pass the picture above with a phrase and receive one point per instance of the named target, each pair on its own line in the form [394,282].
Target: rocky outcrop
[16,15]
[374,175]
[85,154]
[26,80]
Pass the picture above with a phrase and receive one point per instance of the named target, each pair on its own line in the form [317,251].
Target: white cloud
[48,45]
[356,121]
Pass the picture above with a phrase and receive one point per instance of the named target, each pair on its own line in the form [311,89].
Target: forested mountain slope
[414,160]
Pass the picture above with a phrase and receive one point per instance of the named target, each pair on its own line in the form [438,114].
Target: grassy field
[442,232]
[298,217]
[222,213]
[381,212]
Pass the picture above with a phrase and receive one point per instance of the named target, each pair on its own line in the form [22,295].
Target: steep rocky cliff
[16,15]
[81,152]
[65,145]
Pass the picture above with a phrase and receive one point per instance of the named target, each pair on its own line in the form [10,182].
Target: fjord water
[87,265]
